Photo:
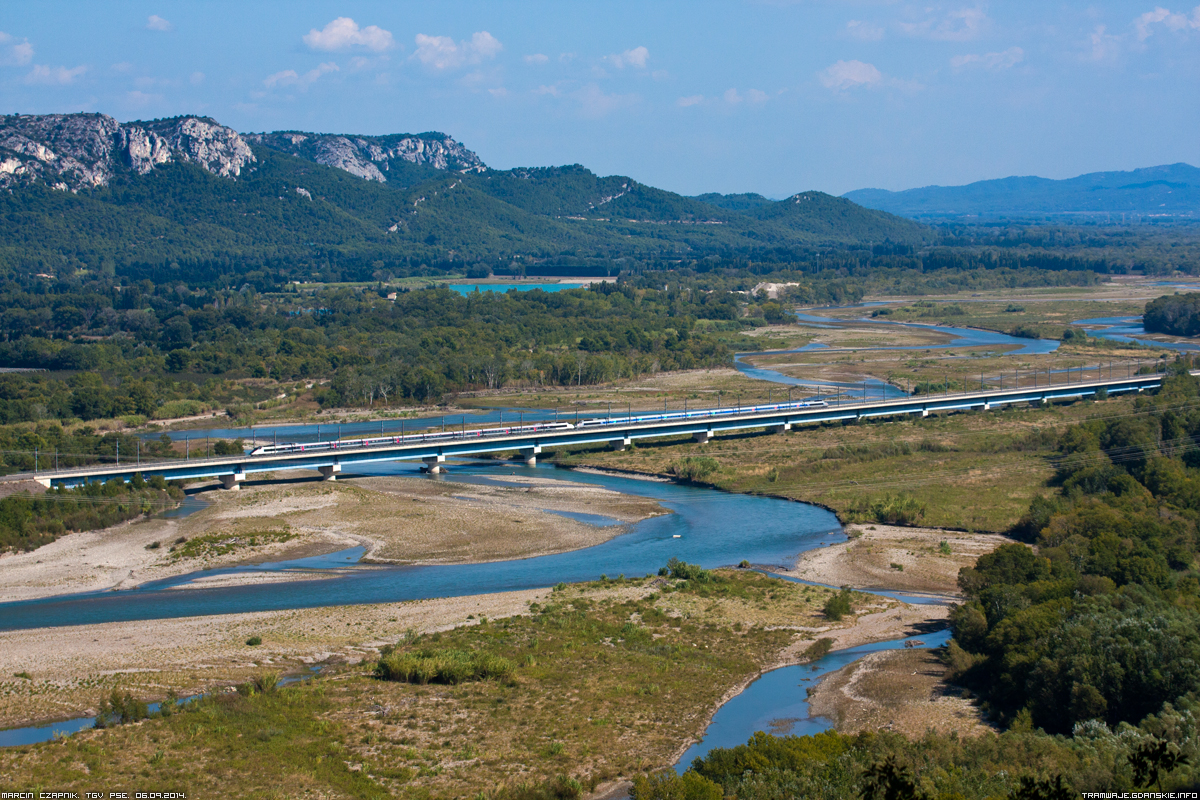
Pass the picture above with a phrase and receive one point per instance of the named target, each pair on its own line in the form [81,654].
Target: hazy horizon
[765,97]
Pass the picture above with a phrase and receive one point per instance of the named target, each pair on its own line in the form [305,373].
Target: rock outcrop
[79,151]
[373,157]
[82,151]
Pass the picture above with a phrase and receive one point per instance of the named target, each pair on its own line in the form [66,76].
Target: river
[961,338]
[705,527]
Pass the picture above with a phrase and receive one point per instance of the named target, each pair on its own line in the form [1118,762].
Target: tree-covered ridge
[1178,315]
[283,208]
[734,202]
[1102,621]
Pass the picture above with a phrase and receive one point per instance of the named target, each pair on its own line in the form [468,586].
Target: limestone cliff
[81,151]
[373,157]
[77,151]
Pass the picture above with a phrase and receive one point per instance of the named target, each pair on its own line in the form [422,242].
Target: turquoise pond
[467,288]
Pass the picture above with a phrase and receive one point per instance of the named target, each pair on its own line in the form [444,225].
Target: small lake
[467,288]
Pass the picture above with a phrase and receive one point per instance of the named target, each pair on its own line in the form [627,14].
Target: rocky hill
[374,157]
[77,151]
[83,193]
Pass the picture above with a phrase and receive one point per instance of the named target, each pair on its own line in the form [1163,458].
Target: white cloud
[752,96]
[596,103]
[343,34]
[690,100]
[54,75]
[14,53]
[442,52]
[139,98]
[196,78]
[850,75]
[636,57]
[960,25]
[537,58]
[500,91]
[1104,45]
[864,31]
[1161,16]
[554,90]
[289,77]
[156,23]
[1002,60]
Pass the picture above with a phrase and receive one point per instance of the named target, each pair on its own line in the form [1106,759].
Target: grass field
[608,679]
[976,471]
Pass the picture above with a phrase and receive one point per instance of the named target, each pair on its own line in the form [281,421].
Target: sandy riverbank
[896,690]
[397,519]
[69,668]
[869,560]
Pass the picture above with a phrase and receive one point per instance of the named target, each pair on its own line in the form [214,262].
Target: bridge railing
[49,463]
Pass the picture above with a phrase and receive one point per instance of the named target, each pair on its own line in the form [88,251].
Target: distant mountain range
[81,191]
[1168,191]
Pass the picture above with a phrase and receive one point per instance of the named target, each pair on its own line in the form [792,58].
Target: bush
[254,641]
[694,468]
[681,570]
[118,709]
[819,648]
[443,666]
[838,605]
[666,785]
[899,509]
[227,448]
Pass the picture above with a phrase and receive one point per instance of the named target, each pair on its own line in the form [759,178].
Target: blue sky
[771,97]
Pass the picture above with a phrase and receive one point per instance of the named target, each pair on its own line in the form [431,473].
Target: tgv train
[434,436]
[702,413]
[408,438]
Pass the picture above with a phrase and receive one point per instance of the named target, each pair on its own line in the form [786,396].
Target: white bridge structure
[529,440]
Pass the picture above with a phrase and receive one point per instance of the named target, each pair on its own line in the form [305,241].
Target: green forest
[1086,651]
[1177,315]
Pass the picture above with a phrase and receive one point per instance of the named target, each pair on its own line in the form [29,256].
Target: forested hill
[145,199]
[1169,190]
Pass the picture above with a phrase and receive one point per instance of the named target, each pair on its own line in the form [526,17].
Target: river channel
[705,527]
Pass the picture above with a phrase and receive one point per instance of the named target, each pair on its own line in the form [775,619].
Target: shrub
[681,570]
[694,468]
[818,648]
[254,641]
[443,666]
[899,509]
[118,709]
[837,606]
[666,785]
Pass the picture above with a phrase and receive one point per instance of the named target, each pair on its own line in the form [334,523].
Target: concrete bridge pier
[619,444]
[330,472]
[530,455]
[433,464]
[701,437]
[784,428]
[230,482]
[924,413]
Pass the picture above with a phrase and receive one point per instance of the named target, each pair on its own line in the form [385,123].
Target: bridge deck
[617,431]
